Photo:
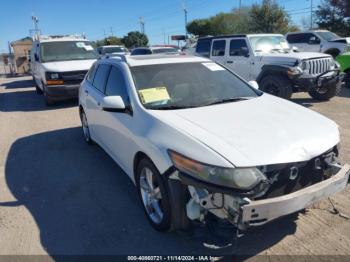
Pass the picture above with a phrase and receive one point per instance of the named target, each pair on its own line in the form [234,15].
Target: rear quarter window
[203,47]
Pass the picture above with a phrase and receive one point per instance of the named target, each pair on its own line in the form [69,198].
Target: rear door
[94,96]
[219,50]
[237,58]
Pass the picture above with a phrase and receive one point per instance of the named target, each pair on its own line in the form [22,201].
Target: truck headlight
[52,76]
[238,178]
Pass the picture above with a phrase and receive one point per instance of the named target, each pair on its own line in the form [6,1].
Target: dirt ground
[61,196]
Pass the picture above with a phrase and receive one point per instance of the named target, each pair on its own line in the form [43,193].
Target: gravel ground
[61,196]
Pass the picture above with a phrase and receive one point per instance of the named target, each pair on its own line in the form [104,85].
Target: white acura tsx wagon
[196,140]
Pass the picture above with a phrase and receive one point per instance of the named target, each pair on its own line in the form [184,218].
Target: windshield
[328,36]
[185,85]
[269,44]
[165,50]
[67,50]
[114,49]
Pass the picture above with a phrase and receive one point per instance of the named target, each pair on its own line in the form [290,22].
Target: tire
[153,193]
[277,85]
[85,128]
[347,79]
[37,88]
[48,100]
[326,93]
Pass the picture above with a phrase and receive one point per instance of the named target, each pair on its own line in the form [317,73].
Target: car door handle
[229,62]
[86,92]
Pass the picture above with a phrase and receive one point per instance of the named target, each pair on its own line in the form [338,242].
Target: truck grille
[318,66]
[74,77]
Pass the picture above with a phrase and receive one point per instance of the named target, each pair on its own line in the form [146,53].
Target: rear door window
[91,73]
[299,38]
[219,47]
[100,78]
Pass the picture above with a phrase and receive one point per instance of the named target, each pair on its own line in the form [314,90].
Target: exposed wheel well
[138,157]
[333,52]
[80,110]
[271,73]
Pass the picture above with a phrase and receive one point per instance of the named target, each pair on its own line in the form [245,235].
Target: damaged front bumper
[262,211]
[243,212]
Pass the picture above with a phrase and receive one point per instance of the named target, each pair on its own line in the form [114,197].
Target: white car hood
[261,131]
[291,57]
[66,66]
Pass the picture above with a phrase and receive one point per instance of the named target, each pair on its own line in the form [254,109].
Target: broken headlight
[238,178]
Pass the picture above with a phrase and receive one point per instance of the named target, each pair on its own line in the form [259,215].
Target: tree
[269,17]
[331,15]
[235,22]
[135,39]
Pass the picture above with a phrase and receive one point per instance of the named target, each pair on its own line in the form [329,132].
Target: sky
[97,18]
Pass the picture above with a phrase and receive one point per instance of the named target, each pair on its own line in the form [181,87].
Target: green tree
[269,17]
[330,15]
[112,40]
[235,22]
[135,39]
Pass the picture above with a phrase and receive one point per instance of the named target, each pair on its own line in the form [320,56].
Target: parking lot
[60,196]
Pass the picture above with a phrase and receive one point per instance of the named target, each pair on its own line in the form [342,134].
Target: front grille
[73,77]
[308,175]
[318,66]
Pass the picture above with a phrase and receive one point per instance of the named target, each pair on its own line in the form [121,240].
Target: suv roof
[236,36]
[141,60]
[307,31]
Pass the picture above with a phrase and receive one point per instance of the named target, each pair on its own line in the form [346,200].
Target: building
[21,52]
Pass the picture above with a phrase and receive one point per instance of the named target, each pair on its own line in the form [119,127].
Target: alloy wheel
[151,195]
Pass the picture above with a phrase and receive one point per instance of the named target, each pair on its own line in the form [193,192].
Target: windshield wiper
[170,107]
[228,100]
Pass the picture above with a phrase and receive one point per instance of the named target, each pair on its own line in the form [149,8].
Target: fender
[272,68]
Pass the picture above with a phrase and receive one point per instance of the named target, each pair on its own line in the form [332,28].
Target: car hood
[66,66]
[260,131]
[345,40]
[291,58]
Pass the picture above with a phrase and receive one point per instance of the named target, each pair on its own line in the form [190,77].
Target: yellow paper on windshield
[154,94]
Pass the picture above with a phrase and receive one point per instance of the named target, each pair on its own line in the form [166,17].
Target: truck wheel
[48,100]
[157,198]
[324,93]
[277,85]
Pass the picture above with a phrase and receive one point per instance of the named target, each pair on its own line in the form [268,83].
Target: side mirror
[254,84]
[113,104]
[245,51]
[295,49]
[36,57]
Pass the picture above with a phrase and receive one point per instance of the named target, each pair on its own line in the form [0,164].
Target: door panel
[236,59]
[117,126]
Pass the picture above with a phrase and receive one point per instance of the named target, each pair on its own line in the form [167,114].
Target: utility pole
[239,5]
[111,30]
[185,12]
[142,25]
[163,36]
[36,28]
[311,15]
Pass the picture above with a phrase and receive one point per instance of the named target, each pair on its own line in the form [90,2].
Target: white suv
[268,59]
[59,64]
[197,140]
[319,41]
